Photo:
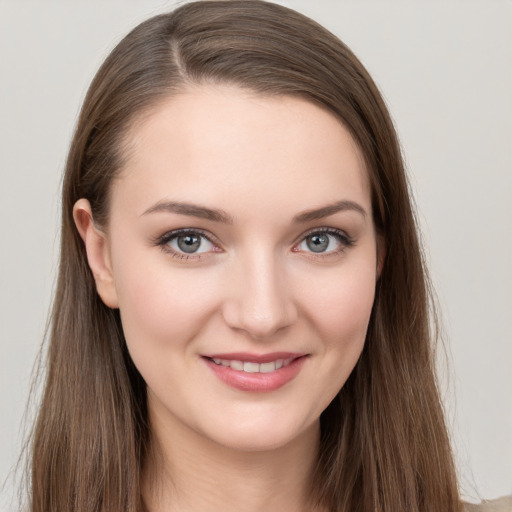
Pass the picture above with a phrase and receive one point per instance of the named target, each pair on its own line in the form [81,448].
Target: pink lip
[255,358]
[256,382]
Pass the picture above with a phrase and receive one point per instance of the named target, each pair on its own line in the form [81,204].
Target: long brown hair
[384,444]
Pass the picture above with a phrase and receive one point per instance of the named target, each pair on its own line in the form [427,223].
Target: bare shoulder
[500,505]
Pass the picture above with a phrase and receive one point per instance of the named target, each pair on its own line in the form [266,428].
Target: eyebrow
[192,210]
[215,215]
[331,209]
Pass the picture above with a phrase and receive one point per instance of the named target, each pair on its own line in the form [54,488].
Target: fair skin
[263,279]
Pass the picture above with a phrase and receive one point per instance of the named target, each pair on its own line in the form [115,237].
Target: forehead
[220,144]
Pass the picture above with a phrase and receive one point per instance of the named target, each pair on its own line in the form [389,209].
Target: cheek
[340,313]
[349,309]
[341,302]
[161,308]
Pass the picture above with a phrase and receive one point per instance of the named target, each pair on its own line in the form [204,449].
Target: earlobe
[98,253]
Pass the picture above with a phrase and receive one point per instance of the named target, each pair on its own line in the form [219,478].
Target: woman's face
[242,255]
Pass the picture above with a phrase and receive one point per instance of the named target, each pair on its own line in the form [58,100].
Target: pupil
[318,243]
[189,243]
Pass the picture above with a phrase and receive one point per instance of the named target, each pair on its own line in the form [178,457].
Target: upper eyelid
[163,241]
[325,229]
[169,235]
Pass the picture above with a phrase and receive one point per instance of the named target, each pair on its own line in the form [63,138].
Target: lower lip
[257,382]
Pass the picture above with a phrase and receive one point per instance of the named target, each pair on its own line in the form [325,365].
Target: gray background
[445,69]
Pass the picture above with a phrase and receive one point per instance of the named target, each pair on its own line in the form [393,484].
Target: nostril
[258,302]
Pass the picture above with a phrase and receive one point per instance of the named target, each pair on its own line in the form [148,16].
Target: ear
[381,254]
[98,252]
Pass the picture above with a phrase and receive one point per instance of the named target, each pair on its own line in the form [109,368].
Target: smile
[256,373]
[250,367]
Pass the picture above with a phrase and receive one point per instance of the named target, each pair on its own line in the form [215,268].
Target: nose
[259,301]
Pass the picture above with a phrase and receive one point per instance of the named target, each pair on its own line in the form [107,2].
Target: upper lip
[255,358]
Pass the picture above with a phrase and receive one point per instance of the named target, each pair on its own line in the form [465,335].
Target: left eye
[321,242]
[189,243]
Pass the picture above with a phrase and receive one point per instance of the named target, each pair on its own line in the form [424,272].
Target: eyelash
[344,240]
[164,240]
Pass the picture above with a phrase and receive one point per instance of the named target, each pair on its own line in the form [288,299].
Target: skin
[257,287]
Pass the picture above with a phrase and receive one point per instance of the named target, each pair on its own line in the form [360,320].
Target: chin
[262,436]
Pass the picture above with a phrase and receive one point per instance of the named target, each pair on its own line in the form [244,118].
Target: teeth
[237,365]
[268,367]
[249,367]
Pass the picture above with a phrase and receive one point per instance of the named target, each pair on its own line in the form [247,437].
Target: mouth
[251,367]
[257,373]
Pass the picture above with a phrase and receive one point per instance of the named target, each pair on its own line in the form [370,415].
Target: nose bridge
[260,302]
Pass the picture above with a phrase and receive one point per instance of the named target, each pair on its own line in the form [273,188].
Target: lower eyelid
[344,241]
[341,237]
[183,256]
[164,243]
[175,237]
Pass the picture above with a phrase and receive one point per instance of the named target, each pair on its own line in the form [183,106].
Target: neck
[186,472]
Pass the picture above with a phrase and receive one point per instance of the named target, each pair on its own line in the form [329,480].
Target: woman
[241,318]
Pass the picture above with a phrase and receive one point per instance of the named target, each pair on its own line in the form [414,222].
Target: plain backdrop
[445,70]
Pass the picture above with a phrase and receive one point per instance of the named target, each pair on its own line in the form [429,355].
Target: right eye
[186,243]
